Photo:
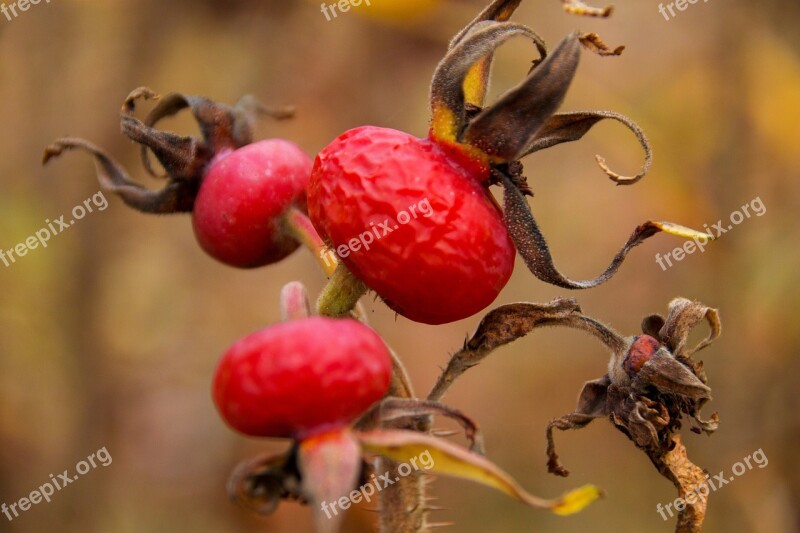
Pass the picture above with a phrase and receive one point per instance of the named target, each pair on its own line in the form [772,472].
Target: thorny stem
[402,505]
[506,324]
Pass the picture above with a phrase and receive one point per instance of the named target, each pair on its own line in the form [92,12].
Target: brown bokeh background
[109,336]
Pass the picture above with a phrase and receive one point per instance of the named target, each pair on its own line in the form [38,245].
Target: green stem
[341,294]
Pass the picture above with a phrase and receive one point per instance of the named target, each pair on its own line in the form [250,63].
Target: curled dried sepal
[330,466]
[392,409]
[476,82]
[683,316]
[449,459]
[505,129]
[533,248]
[175,197]
[261,483]
[593,42]
[498,11]
[184,158]
[222,126]
[568,127]
[449,100]
[577,7]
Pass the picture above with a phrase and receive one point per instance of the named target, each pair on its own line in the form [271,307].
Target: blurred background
[109,336]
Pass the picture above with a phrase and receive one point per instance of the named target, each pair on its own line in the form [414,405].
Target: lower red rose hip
[303,377]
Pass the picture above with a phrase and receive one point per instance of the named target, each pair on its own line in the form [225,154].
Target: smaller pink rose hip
[237,216]
[240,193]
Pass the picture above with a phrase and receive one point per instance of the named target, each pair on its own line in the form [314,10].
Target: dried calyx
[652,382]
[184,158]
[523,121]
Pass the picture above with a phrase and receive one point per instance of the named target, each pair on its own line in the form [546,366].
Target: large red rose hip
[301,378]
[412,220]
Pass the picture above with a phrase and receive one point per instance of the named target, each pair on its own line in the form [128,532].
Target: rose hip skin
[301,378]
[447,262]
[244,193]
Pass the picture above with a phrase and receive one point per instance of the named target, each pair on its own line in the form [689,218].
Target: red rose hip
[237,216]
[301,378]
[414,222]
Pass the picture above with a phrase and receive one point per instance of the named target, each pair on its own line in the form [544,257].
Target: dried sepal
[670,376]
[593,42]
[568,127]
[184,158]
[652,324]
[392,409]
[683,316]
[222,126]
[448,99]
[577,7]
[533,248]
[651,385]
[476,82]
[570,421]
[505,129]
[175,197]
[498,11]
[448,459]
[260,484]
